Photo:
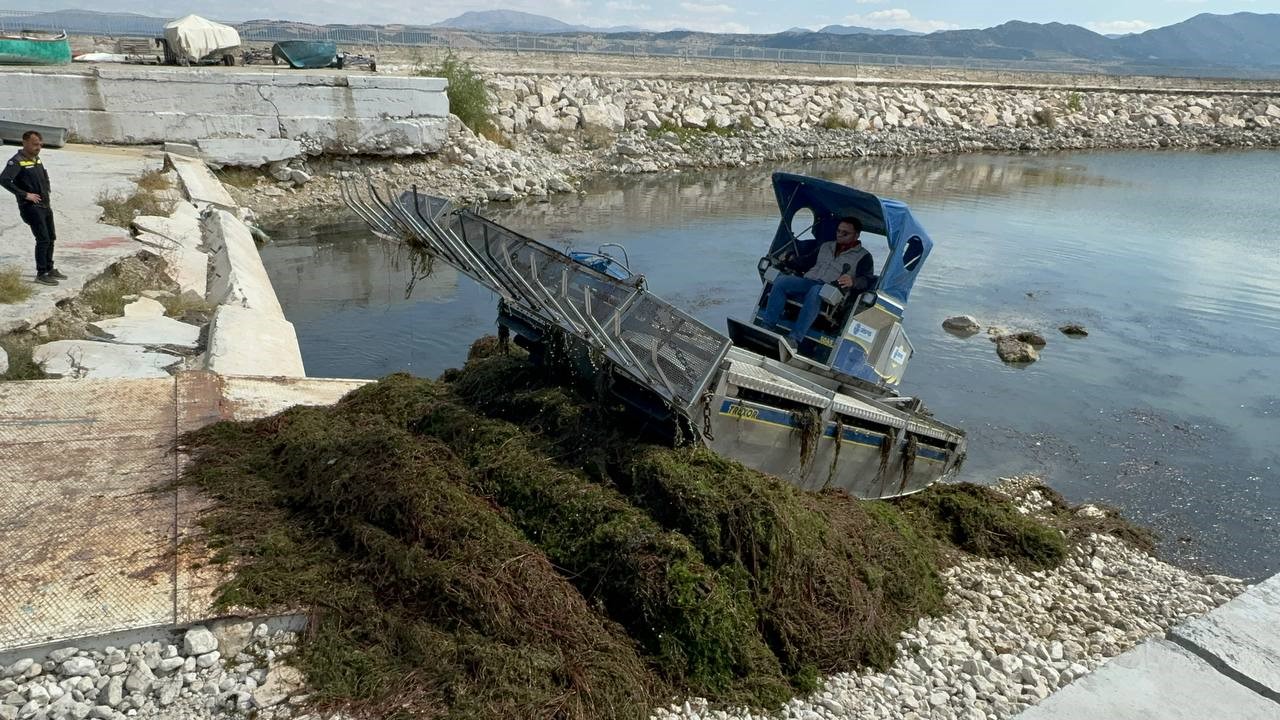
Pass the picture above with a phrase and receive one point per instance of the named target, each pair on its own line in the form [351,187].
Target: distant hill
[505,21]
[1243,39]
[91,21]
[855,30]
[516,21]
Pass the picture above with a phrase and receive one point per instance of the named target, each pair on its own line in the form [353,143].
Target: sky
[738,16]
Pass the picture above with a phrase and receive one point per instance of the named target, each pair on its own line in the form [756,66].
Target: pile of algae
[497,544]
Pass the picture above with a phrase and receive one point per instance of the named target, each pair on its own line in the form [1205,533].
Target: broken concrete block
[248,152]
[148,331]
[90,359]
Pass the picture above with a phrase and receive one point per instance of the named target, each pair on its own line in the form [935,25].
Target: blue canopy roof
[909,244]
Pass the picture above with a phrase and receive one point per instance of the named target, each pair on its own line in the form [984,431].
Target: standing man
[25,177]
[843,262]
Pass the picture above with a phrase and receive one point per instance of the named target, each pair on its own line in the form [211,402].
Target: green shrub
[468,96]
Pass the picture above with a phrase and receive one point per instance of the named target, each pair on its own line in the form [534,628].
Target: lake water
[1169,409]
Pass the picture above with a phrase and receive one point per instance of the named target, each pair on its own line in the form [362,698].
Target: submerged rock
[961,325]
[1012,350]
[1073,330]
[1031,337]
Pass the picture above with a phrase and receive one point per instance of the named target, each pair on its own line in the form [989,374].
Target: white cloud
[1119,27]
[626,6]
[707,8]
[898,18]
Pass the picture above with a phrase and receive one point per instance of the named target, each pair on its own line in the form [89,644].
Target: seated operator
[843,262]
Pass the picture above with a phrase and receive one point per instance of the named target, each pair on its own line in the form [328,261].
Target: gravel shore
[234,669]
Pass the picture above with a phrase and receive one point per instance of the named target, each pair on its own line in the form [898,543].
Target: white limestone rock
[144,307]
[198,640]
[961,324]
[282,681]
[78,666]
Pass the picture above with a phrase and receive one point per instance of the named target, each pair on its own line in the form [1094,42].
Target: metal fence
[80,23]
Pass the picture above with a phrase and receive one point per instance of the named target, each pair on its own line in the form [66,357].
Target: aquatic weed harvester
[824,413]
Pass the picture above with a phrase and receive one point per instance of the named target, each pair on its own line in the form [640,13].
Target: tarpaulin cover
[195,38]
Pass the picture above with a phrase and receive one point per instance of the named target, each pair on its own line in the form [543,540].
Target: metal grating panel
[662,347]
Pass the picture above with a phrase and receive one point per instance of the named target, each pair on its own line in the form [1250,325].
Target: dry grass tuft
[13,288]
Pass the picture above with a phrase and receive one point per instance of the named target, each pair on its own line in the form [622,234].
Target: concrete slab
[181,227]
[178,240]
[201,186]
[238,276]
[248,152]
[1241,638]
[182,149]
[1157,679]
[148,331]
[247,342]
[245,398]
[189,268]
[85,246]
[89,359]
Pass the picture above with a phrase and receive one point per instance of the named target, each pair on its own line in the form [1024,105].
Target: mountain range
[516,21]
[1241,40]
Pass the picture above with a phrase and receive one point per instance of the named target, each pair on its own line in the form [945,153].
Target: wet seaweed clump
[983,522]
[502,544]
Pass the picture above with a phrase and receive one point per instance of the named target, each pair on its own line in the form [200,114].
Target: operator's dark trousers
[40,218]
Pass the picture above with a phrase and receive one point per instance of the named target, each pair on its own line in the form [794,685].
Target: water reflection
[657,199]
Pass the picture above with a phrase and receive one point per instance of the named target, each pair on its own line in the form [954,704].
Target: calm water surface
[1169,409]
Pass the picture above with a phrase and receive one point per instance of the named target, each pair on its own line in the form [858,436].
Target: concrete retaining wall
[237,277]
[325,111]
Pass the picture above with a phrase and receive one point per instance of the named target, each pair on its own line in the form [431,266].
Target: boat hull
[35,50]
[866,463]
[309,54]
[52,136]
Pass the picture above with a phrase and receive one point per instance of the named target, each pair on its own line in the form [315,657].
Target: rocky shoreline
[554,131]
[230,670]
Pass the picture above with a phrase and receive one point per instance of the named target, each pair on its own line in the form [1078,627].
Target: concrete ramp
[1223,665]
[89,543]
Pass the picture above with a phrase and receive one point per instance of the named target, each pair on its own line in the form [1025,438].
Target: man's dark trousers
[40,218]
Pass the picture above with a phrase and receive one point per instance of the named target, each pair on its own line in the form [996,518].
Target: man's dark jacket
[24,175]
